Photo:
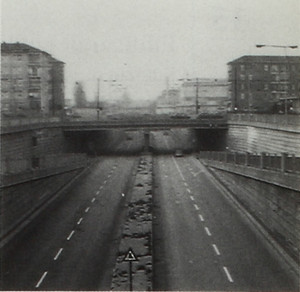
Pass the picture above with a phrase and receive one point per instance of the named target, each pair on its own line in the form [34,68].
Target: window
[242,95]
[266,67]
[34,141]
[242,86]
[35,162]
[266,86]
[242,76]
[274,68]
[242,67]
[250,76]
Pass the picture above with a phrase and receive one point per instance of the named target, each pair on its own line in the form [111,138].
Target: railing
[283,162]
[14,166]
[28,121]
[292,120]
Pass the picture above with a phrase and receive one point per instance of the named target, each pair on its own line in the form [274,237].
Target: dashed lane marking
[93,200]
[228,274]
[216,249]
[105,182]
[196,207]
[79,221]
[201,218]
[178,169]
[87,209]
[192,198]
[101,188]
[189,191]
[207,231]
[71,234]
[58,254]
[98,192]
[41,280]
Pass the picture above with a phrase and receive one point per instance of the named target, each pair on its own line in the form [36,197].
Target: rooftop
[266,59]
[23,48]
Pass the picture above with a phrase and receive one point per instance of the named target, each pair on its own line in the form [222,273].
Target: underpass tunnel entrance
[210,139]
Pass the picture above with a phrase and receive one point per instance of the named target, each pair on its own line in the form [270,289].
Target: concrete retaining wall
[276,208]
[264,133]
[18,202]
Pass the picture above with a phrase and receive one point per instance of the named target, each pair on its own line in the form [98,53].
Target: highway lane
[73,246]
[201,241]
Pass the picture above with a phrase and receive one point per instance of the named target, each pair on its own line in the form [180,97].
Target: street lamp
[283,47]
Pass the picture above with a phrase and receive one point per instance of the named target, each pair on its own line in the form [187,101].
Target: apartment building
[32,81]
[262,83]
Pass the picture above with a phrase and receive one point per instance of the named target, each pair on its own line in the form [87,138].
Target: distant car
[178,153]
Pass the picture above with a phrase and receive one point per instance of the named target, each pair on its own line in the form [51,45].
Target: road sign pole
[130,276]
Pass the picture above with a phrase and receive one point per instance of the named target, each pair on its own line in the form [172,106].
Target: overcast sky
[142,42]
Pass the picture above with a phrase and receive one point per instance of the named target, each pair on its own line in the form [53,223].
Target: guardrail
[283,162]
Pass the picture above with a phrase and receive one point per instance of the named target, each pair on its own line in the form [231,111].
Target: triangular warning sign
[130,256]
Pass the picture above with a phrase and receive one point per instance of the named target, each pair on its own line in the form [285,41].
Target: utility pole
[98,99]
[197,93]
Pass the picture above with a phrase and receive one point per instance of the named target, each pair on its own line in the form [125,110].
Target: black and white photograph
[150,145]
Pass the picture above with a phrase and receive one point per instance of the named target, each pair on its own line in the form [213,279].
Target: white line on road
[105,182]
[178,169]
[189,191]
[87,209]
[228,275]
[109,176]
[98,192]
[216,249]
[196,207]
[93,200]
[101,188]
[185,184]
[58,254]
[70,235]
[207,231]
[79,221]
[192,198]
[41,280]
[201,217]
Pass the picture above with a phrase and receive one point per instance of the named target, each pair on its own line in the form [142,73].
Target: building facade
[32,81]
[206,94]
[263,83]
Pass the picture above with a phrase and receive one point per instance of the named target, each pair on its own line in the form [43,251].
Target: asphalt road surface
[73,245]
[201,242]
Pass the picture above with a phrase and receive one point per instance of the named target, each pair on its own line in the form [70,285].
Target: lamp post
[285,47]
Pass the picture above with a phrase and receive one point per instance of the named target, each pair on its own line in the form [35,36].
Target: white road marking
[93,200]
[87,209]
[189,191]
[109,175]
[192,198]
[79,221]
[41,280]
[105,182]
[201,217]
[207,231]
[58,254]
[185,184]
[98,192]
[178,169]
[196,207]
[101,188]
[70,235]
[228,275]
[216,249]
